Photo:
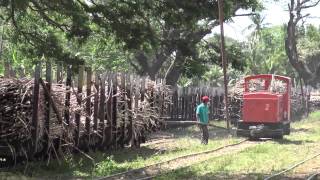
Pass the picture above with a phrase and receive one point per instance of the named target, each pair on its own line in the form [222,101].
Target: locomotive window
[278,86]
[258,85]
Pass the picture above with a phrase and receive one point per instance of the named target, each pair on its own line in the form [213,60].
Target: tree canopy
[155,37]
[166,38]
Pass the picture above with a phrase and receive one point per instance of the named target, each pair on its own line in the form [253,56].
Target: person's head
[205,99]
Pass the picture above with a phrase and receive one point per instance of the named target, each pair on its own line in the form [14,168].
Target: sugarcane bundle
[314,101]
[16,114]
[146,108]
[15,117]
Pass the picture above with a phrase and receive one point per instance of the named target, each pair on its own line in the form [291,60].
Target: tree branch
[309,6]
[62,27]
[247,14]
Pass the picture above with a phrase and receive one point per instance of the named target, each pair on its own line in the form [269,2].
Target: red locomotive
[266,111]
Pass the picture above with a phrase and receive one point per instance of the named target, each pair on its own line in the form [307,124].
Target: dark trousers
[204,134]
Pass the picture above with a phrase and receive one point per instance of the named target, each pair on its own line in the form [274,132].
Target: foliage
[309,75]
[267,52]
[309,45]
[148,33]
[208,65]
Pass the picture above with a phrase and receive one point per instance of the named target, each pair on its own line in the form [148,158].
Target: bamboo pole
[224,62]
[35,102]
[48,105]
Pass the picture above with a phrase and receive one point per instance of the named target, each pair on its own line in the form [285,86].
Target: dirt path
[184,161]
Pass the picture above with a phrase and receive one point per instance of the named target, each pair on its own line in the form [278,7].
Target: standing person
[203,117]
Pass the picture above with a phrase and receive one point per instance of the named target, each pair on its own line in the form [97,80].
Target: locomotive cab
[266,109]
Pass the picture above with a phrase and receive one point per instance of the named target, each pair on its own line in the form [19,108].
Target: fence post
[129,106]
[68,93]
[35,102]
[88,106]
[48,105]
[123,109]
[114,108]
[108,129]
[135,139]
[59,72]
[96,103]
[102,109]
[79,100]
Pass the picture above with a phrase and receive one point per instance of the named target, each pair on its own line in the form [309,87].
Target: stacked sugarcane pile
[235,99]
[16,115]
[146,109]
[138,111]
[314,101]
[15,112]
[297,106]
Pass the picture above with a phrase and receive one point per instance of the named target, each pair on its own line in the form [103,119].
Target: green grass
[258,161]
[186,142]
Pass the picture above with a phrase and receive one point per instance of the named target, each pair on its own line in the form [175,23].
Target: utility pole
[224,62]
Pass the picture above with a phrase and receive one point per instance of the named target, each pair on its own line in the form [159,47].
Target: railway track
[314,176]
[310,177]
[151,171]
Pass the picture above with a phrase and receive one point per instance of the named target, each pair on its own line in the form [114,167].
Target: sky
[275,13]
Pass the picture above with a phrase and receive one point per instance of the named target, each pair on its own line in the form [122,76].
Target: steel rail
[127,173]
[292,167]
[313,176]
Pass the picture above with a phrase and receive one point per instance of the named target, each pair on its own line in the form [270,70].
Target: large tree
[162,35]
[299,63]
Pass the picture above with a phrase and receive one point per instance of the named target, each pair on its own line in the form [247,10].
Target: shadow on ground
[299,130]
[295,142]
[209,176]
[66,168]
[193,131]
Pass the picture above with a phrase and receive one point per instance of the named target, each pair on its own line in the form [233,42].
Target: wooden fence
[112,109]
[75,109]
[185,100]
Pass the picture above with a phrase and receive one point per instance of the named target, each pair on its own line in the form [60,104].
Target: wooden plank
[142,93]
[137,96]
[88,107]
[129,109]
[123,109]
[187,104]
[102,109]
[35,108]
[108,128]
[183,105]
[163,103]
[176,105]
[96,103]
[115,109]
[172,105]
[48,106]
[68,94]
[59,72]
[51,101]
[194,103]
[79,101]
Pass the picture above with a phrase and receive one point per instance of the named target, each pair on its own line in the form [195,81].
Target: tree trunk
[175,70]
[151,65]
[291,47]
